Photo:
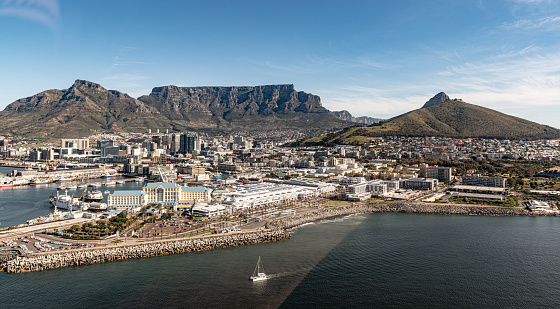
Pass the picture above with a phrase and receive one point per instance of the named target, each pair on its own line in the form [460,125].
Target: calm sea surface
[374,260]
[21,203]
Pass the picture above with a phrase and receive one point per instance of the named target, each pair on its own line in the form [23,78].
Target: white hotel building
[127,200]
[170,195]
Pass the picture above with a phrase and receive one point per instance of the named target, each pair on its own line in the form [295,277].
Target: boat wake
[288,273]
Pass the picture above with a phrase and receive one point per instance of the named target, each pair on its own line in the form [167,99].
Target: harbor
[79,174]
[276,225]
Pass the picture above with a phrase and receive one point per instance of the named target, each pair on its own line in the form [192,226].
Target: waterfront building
[165,193]
[194,194]
[129,200]
[210,211]
[484,181]
[376,187]
[357,188]
[261,194]
[392,185]
[319,186]
[419,183]
[479,192]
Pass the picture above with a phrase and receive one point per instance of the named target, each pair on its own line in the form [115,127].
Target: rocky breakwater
[443,209]
[97,255]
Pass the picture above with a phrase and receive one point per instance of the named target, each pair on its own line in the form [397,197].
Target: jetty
[43,261]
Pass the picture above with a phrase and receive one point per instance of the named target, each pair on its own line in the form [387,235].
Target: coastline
[276,230]
[51,260]
[369,207]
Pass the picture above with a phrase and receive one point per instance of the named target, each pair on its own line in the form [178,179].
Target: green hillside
[453,118]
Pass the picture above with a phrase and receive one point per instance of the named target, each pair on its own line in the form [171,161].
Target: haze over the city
[372,58]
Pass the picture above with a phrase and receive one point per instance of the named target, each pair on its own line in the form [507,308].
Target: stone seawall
[98,255]
[327,213]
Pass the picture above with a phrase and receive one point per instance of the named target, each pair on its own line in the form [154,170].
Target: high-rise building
[186,144]
[82,143]
[175,143]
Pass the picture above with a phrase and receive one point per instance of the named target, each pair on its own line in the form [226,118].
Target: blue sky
[373,58]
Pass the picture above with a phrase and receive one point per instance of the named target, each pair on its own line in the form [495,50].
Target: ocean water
[21,203]
[362,261]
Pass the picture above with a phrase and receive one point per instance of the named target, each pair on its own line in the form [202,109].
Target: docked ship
[109,175]
[38,181]
[67,202]
[6,184]
[93,196]
[63,180]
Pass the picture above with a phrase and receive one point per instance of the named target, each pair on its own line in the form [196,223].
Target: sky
[373,58]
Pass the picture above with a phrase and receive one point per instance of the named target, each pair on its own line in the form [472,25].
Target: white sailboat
[258,274]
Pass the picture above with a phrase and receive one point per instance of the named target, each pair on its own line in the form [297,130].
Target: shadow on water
[209,279]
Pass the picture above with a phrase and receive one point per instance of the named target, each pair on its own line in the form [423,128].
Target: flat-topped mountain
[449,118]
[86,108]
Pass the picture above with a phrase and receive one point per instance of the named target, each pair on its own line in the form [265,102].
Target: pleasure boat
[258,274]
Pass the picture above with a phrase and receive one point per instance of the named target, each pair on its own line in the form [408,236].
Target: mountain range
[443,117]
[87,108]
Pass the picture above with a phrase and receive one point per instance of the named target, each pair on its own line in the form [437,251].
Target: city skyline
[373,59]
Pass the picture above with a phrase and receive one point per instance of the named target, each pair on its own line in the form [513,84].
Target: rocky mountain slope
[86,108]
[346,116]
[449,118]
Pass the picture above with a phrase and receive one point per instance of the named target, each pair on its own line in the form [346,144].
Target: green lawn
[336,203]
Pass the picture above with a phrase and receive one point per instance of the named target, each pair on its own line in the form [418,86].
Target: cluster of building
[203,173]
[199,200]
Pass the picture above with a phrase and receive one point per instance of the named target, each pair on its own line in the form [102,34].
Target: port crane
[82,196]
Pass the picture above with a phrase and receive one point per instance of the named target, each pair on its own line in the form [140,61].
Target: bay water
[390,260]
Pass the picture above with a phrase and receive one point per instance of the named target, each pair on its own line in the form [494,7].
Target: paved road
[40,227]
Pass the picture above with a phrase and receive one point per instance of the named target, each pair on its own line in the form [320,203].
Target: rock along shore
[98,255]
[328,213]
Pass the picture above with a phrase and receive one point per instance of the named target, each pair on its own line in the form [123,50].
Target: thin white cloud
[533,1]
[548,23]
[288,68]
[133,84]
[512,82]
[122,57]
[46,12]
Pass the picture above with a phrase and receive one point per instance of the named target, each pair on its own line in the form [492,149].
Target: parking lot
[33,244]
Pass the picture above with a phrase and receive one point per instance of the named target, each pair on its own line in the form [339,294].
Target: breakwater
[328,213]
[98,255]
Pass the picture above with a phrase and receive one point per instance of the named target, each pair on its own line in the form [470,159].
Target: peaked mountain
[87,108]
[438,98]
[450,118]
[84,108]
